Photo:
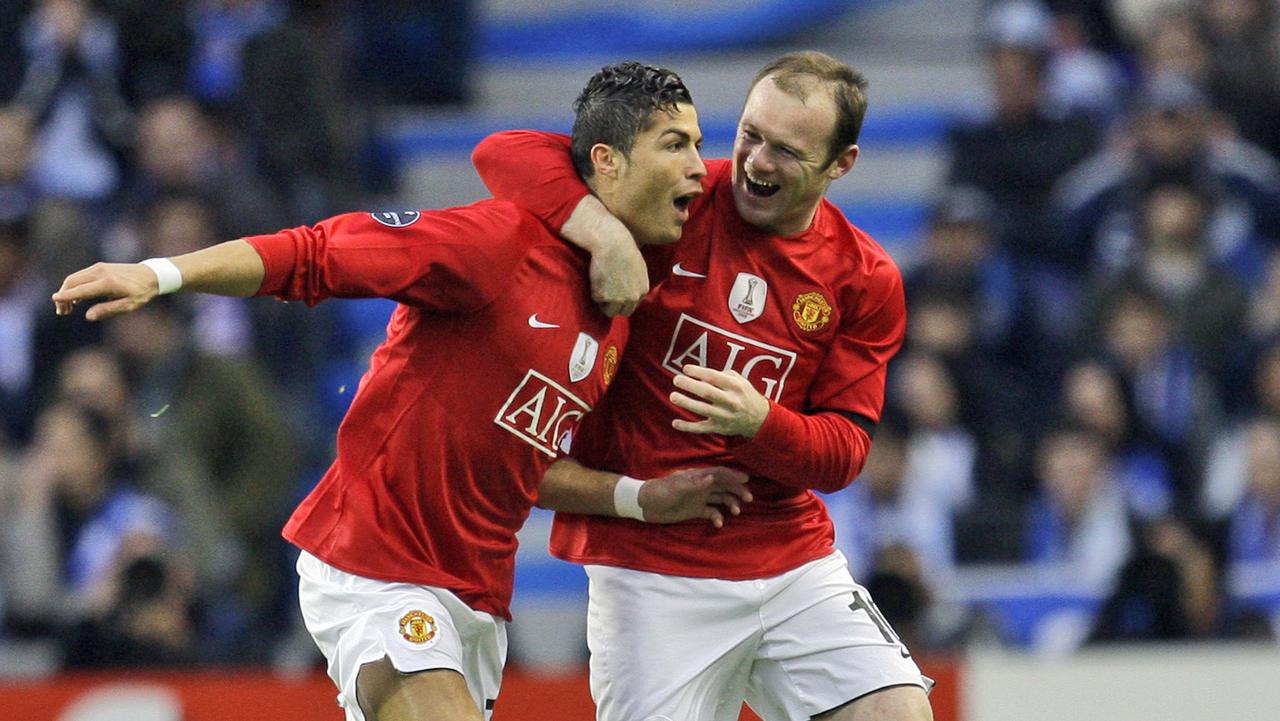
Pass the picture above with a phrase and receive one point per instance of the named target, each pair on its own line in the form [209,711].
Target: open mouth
[760,188]
[682,201]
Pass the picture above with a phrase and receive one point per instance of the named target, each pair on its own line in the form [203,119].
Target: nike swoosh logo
[685,273]
[535,323]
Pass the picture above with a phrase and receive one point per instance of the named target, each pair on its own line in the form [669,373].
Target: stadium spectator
[20,296]
[1263,325]
[941,457]
[775,325]
[1170,44]
[95,377]
[1094,397]
[68,514]
[1226,475]
[1100,202]
[1015,156]
[146,614]
[224,418]
[903,497]
[1079,79]
[155,47]
[1244,66]
[181,150]
[179,224]
[1168,590]
[1079,521]
[431,483]
[72,88]
[960,253]
[1206,301]
[963,301]
[1255,522]
[1176,403]
[17,187]
[255,67]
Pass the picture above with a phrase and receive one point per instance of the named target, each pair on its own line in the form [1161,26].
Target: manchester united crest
[811,311]
[417,627]
[610,364]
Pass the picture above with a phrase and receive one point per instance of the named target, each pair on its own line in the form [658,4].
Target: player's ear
[843,162]
[606,160]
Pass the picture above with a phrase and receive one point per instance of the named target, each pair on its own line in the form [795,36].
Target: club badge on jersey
[747,297]
[811,311]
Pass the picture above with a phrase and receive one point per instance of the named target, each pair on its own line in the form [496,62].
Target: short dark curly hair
[618,104]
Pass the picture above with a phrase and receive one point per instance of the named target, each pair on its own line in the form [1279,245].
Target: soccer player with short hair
[768,343]
[493,356]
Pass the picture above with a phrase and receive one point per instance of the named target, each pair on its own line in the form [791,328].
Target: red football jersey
[811,320]
[493,356]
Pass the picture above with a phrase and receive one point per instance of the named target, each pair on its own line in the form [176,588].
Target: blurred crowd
[148,463]
[1091,380]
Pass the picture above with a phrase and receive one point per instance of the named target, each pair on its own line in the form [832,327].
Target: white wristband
[626,498]
[168,277]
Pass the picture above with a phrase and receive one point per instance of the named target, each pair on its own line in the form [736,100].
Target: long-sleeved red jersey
[811,320]
[493,356]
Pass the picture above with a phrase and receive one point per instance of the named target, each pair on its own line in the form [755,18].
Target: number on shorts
[863,602]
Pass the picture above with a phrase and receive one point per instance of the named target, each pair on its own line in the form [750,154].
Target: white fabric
[692,649]
[356,620]
[168,277]
[626,498]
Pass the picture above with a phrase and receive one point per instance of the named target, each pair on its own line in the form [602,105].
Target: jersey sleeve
[443,260]
[532,169]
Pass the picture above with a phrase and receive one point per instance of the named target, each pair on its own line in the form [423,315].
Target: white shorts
[356,620]
[670,648]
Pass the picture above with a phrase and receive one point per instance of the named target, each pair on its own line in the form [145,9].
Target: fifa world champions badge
[811,311]
[418,628]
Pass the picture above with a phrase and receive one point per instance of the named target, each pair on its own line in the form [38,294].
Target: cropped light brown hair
[794,72]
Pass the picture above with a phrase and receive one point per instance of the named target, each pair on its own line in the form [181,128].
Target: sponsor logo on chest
[700,343]
[541,412]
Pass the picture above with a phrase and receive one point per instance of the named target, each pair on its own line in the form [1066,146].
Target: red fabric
[463,405]
[553,194]
[832,318]
[824,451]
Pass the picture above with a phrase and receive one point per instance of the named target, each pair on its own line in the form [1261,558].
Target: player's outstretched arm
[710,493]
[231,268]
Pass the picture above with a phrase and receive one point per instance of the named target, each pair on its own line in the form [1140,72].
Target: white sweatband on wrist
[168,277]
[626,498]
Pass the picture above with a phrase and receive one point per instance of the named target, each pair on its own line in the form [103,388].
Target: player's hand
[619,277]
[728,403]
[125,286]
[708,493]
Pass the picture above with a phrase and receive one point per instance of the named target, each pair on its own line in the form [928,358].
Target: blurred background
[1077,481]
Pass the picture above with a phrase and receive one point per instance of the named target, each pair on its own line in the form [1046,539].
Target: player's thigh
[385,694]
[668,648]
[897,703]
[824,645]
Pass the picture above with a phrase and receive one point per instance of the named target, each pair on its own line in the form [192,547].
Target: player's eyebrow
[678,133]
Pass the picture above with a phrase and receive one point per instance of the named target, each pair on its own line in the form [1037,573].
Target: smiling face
[782,157]
[649,188]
